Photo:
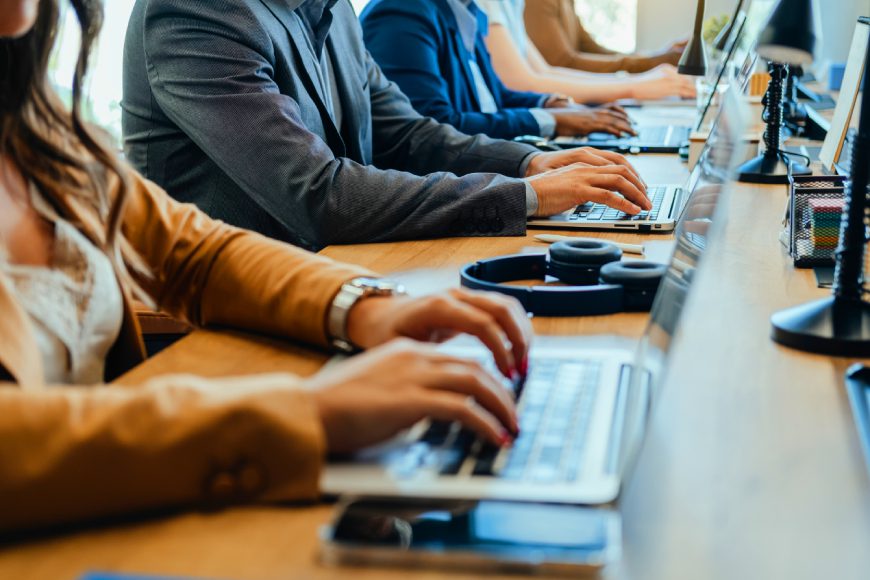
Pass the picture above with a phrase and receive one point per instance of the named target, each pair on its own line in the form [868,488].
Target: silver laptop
[582,410]
[668,203]
[672,137]
[669,200]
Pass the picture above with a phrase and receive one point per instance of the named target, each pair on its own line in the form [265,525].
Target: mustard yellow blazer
[69,453]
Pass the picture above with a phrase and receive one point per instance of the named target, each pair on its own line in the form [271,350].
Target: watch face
[375,284]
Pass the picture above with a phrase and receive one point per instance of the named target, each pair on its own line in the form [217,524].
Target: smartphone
[490,536]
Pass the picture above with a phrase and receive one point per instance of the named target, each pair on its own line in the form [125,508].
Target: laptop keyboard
[657,136]
[555,407]
[600,212]
[678,135]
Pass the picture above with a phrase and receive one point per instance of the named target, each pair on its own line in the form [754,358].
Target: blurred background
[624,25]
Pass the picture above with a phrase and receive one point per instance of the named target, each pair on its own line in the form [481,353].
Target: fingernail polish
[524,366]
[505,440]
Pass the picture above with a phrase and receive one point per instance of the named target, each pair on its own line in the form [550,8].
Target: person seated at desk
[518,62]
[435,51]
[81,234]
[271,115]
[557,31]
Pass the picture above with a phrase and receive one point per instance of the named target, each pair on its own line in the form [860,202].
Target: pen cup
[815,212]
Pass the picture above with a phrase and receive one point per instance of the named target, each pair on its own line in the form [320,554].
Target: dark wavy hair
[73,165]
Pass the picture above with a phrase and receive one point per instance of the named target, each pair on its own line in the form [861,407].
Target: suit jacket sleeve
[71,454]
[214,77]
[209,273]
[79,453]
[405,44]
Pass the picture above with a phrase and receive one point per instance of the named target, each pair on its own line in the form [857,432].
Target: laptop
[672,137]
[668,204]
[668,200]
[582,410]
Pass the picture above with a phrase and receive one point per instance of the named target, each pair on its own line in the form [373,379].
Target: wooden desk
[751,467]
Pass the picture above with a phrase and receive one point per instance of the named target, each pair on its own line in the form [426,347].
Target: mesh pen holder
[815,213]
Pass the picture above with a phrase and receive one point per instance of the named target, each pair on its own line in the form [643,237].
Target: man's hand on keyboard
[616,186]
[375,395]
[572,122]
[545,162]
[498,321]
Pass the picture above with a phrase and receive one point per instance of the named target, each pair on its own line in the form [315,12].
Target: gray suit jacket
[221,108]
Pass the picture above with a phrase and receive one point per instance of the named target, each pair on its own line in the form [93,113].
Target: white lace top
[75,304]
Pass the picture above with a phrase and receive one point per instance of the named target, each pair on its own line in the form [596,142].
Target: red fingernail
[524,366]
[505,440]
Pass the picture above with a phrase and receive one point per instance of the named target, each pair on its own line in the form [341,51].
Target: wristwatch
[558,100]
[351,293]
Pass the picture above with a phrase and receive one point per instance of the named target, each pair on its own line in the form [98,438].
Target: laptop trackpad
[600,137]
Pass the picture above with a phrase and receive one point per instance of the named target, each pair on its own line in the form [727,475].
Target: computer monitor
[856,67]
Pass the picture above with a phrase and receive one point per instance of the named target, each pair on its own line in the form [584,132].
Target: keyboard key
[437,433]
[555,411]
[485,460]
[543,473]
[456,455]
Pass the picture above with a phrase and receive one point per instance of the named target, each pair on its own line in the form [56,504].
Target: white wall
[659,21]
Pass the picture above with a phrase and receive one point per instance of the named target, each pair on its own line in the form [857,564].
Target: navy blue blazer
[418,45]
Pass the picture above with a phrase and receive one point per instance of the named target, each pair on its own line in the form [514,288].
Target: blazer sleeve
[405,44]
[72,454]
[213,76]
[212,274]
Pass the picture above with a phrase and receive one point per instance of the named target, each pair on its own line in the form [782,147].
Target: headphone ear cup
[640,281]
[579,261]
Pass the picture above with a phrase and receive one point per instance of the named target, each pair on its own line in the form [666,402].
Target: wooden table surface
[751,466]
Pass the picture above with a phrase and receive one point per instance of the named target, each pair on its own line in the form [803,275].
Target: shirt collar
[316,15]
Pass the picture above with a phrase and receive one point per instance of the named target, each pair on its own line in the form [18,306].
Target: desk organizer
[815,210]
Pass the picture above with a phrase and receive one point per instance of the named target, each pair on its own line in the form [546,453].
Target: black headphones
[601,282]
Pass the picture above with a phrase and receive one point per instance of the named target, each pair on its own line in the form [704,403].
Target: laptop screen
[740,57]
[745,56]
[723,67]
[698,227]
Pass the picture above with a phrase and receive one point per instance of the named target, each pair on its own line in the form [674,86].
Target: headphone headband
[604,285]
[491,274]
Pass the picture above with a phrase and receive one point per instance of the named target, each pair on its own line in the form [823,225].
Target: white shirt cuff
[546,122]
[531,200]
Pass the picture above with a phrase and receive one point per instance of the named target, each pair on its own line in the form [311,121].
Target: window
[614,22]
[103,92]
